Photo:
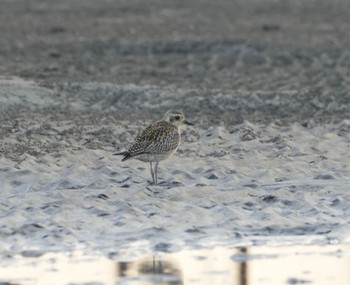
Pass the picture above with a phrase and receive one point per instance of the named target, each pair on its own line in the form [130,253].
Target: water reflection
[151,270]
[320,265]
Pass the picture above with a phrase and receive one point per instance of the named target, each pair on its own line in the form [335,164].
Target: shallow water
[321,265]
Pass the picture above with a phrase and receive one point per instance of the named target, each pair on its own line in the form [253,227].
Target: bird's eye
[177,118]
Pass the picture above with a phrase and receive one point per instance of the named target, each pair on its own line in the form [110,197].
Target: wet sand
[266,164]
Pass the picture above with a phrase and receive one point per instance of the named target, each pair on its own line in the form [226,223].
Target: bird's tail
[126,155]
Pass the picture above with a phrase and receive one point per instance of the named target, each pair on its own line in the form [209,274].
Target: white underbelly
[155,157]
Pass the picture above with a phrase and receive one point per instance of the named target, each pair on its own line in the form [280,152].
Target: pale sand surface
[266,83]
[229,184]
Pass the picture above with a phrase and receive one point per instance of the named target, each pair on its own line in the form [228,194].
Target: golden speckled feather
[160,137]
[157,142]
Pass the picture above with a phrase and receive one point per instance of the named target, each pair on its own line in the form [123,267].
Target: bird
[157,142]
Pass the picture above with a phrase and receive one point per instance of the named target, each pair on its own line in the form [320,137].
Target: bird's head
[176,118]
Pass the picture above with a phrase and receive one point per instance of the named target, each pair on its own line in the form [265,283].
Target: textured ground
[254,183]
[252,45]
[265,82]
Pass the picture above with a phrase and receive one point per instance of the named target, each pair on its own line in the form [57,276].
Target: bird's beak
[188,123]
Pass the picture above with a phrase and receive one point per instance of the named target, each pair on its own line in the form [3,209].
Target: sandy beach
[266,163]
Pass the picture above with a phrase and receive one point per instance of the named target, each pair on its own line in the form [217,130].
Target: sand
[266,84]
[229,184]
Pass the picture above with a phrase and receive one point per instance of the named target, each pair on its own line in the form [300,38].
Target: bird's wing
[158,137]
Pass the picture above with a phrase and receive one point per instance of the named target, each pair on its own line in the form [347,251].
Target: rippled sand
[240,184]
[267,163]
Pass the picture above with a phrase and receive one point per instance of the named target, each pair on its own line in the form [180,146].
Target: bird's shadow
[163,184]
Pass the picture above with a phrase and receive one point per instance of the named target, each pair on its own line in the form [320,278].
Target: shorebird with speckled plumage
[157,142]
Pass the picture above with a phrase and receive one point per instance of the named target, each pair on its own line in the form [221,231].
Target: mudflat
[266,84]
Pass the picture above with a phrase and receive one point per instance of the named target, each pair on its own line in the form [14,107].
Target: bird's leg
[156,171]
[152,173]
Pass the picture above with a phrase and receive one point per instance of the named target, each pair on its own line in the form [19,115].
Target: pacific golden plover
[158,141]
